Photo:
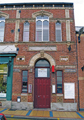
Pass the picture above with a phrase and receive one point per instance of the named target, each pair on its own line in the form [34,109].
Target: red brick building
[40,46]
[80,49]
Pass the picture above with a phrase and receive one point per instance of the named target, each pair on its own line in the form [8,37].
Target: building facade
[38,49]
[80,48]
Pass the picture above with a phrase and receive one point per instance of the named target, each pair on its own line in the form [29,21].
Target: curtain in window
[42,28]
[26,32]
[2,26]
[58,32]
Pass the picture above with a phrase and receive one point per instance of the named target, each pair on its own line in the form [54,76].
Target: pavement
[42,114]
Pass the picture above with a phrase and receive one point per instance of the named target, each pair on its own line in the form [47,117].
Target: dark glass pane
[59,90]
[24,85]
[42,63]
[59,73]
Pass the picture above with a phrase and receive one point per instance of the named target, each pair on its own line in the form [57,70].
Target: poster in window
[42,72]
[69,90]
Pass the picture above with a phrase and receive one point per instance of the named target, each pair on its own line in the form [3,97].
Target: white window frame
[42,20]
[60,32]
[27,31]
[2,20]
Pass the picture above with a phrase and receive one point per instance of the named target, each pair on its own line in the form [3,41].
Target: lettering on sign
[64,58]
[70,70]
[16,70]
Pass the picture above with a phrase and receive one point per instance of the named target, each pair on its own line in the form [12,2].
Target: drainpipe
[77,75]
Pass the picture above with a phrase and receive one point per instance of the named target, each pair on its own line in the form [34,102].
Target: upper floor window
[58,32]
[2,26]
[26,32]
[42,28]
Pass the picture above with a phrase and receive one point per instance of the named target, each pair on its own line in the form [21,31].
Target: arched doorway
[42,84]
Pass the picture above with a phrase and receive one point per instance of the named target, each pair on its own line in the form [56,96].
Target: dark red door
[42,87]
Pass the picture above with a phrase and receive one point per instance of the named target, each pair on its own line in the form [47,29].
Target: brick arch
[38,56]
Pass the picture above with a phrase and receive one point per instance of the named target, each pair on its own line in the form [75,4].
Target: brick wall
[62,50]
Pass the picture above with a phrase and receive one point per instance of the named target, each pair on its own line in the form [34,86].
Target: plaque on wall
[69,90]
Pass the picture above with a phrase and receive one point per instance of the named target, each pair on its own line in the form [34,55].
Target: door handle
[38,96]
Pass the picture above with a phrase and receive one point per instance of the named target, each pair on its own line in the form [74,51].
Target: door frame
[39,77]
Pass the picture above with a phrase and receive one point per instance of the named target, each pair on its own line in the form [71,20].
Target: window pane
[45,24]
[45,35]
[39,17]
[45,17]
[58,32]
[42,63]
[25,73]
[26,32]
[59,73]
[39,24]
[1,39]
[38,35]
[24,81]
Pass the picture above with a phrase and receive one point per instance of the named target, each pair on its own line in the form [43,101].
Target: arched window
[2,26]
[58,32]
[42,28]
[42,68]
[26,32]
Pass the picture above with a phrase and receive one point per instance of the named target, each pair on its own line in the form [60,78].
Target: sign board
[30,88]
[70,70]
[2,94]
[53,88]
[42,72]
[64,58]
[69,90]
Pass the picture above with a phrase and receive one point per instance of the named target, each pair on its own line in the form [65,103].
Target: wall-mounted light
[82,68]
[18,99]
[18,30]
[69,47]
[79,39]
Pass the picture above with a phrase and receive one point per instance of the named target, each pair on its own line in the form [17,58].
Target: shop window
[26,32]
[2,26]
[24,81]
[3,79]
[58,32]
[59,77]
[42,28]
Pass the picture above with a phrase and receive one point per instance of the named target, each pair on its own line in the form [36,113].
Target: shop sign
[42,72]
[69,90]
[2,94]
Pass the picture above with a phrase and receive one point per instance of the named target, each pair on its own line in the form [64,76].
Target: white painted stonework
[68,36]
[8,49]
